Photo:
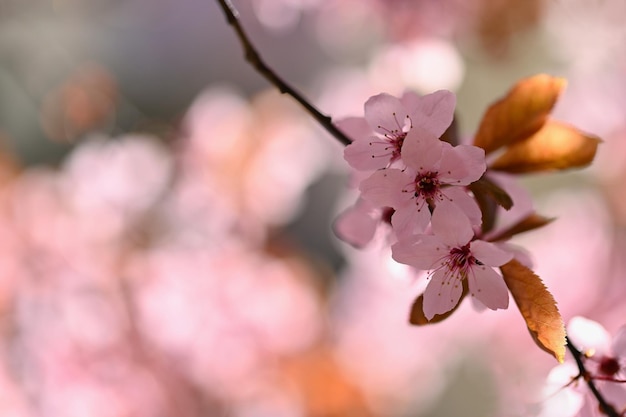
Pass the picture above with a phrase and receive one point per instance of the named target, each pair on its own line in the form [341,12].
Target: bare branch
[605,407]
[254,58]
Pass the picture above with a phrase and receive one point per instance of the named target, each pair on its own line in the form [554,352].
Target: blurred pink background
[166,244]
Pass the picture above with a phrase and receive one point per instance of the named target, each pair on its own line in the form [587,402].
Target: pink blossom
[436,172]
[604,358]
[357,225]
[389,120]
[452,256]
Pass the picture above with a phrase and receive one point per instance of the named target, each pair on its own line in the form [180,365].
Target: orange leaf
[556,146]
[520,113]
[485,186]
[537,307]
[417,316]
[530,222]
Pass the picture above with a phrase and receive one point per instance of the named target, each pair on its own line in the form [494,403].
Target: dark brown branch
[605,407]
[253,57]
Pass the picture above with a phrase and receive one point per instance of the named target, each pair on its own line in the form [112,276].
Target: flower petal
[619,343]
[489,254]
[423,252]
[561,396]
[384,188]
[433,112]
[461,165]
[442,294]
[421,152]
[451,224]
[587,334]
[409,219]
[386,114]
[368,154]
[357,224]
[465,202]
[489,287]
[355,128]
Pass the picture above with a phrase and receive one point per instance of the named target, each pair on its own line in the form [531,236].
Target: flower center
[608,365]
[461,257]
[397,142]
[461,260]
[426,185]
[395,136]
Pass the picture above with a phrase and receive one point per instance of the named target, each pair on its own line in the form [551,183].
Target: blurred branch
[605,407]
[253,57]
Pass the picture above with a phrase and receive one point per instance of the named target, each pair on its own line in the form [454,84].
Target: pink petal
[451,225]
[442,294]
[384,188]
[354,127]
[422,153]
[489,287]
[489,254]
[368,154]
[461,165]
[619,343]
[560,397]
[614,394]
[423,252]
[466,203]
[386,114]
[519,253]
[432,112]
[410,219]
[587,334]
[356,225]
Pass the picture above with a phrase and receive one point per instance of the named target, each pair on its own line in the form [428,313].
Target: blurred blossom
[116,180]
[497,23]
[571,254]
[493,24]
[561,395]
[590,35]
[604,360]
[281,15]
[259,158]
[376,343]
[425,64]
[346,30]
[144,277]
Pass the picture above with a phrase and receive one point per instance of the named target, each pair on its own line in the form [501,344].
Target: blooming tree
[225,258]
[440,198]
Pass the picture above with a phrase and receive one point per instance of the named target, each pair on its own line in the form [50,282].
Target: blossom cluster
[419,185]
[604,360]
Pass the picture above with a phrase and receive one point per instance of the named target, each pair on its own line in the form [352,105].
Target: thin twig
[605,407]
[253,57]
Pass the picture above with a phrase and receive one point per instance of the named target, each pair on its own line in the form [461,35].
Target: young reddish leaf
[487,195]
[484,186]
[556,146]
[520,113]
[530,222]
[417,316]
[537,307]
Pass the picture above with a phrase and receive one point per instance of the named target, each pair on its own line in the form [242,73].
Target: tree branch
[605,407]
[254,58]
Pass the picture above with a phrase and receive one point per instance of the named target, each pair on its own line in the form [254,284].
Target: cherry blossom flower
[389,120]
[452,256]
[604,358]
[436,172]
